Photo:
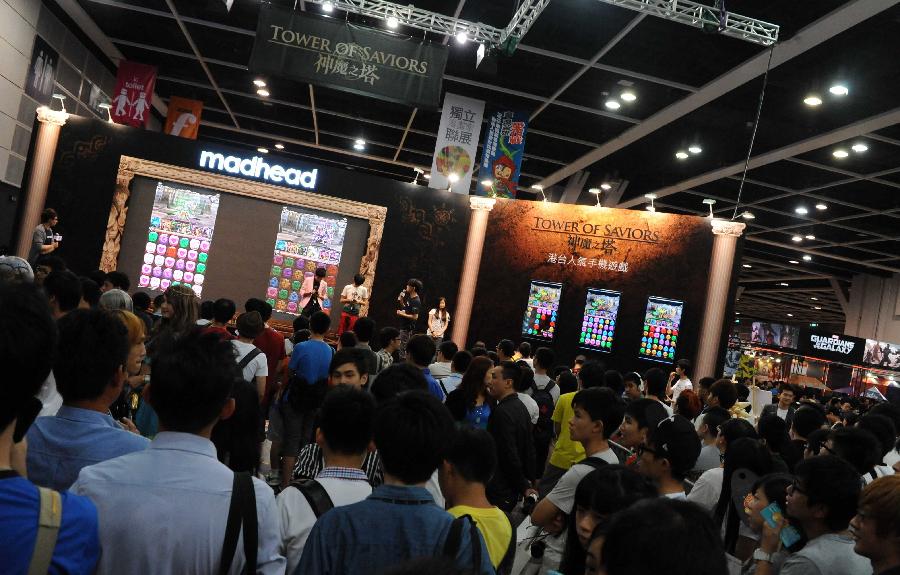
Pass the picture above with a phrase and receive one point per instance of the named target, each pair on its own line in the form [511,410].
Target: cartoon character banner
[133,94]
[457,144]
[306,242]
[504,146]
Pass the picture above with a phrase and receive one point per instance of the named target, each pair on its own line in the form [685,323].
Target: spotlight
[453,177]
[259,83]
[810,237]
[821,206]
[263,92]
[262,150]
[790,315]
[651,197]
[839,90]
[681,155]
[487,183]
[840,153]
[710,203]
[795,262]
[595,191]
[327,7]
[859,148]
[392,22]
[359,144]
[784,284]
[801,210]
[807,258]
[107,107]
[613,104]
[812,101]
[605,186]
[427,176]
[797,239]
[817,307]
[537,187]
[279,146]
[628,96]
[814,298]
[695,149]
[461,37]
[748,266]
[748,216]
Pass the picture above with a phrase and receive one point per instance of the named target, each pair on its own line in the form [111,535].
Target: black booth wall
[424,233]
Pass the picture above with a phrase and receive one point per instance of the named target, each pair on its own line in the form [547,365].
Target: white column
[49,124]
[720,271]
[481,209]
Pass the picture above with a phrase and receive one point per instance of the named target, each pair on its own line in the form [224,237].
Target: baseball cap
[676,439]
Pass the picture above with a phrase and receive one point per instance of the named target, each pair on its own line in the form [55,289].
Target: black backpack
[544,400]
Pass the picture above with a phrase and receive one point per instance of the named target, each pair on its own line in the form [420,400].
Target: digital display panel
[775,334]
[179,238]
[598,326]
[306,241]
[661,325]
[541,313]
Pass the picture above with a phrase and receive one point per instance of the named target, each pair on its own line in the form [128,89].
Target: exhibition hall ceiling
[822,184]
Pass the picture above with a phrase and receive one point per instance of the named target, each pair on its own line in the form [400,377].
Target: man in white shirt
[709,431]
[655,382]
[598,414]
[525,354]
[255,370]
[442,367]
[542,361]
[683,382]
[353,297]
[345,436]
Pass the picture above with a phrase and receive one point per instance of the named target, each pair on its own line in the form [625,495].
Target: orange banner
[183,119]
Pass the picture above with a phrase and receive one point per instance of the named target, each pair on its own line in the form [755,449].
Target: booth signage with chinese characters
[832,347]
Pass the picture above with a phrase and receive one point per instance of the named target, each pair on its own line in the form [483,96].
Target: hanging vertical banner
[504,146]
[457,143]
[133,94]
[183,119]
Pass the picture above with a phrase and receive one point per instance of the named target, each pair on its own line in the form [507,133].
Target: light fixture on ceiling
[279,146]
[812,101]
[628,96]
[801,210]
[540,189]
[263,92]
[62,101]
[817,307]
[748,216]
[797,239]
[596,192]
[859,148]
[613,104]
[748,266]
[795,262]
[695,149]
[710,203]
[651,197]
[359,144]
[840,153]
[810,237]
[807,258]
[839,90]
[790,315]
[814,298]
[106,106]
[327,7]
[259,83]
[821,206]
[392,22]
[784,284]
[461,37]
[681,155]
[605,186]
[262,150]
[418,172]
[487,183]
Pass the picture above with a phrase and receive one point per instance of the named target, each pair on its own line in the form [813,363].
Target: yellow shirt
[566,452]
[494,527]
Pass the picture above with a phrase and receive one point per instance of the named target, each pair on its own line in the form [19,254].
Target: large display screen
[179,238]
[306,241]
[542,310]
[661,325]
[598,326]
[775,334]
[882,354]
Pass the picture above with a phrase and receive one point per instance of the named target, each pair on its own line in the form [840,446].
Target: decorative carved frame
[129,167]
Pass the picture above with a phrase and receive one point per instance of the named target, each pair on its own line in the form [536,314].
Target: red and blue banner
[504,146]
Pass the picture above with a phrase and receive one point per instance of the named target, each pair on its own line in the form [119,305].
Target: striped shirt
[311,462]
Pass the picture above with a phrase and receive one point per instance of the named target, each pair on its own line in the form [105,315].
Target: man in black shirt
[510,426]
[410,304]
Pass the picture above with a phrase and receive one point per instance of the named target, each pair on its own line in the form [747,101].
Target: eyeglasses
[828,449]
[642,448]
[795,487]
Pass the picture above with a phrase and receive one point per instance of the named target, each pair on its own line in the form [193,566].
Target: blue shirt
[77,544]
[434,388]
[164,510]
[61,445]
[311,360]
[393,525]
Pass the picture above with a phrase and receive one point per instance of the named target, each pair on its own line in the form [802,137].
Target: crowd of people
[170,435]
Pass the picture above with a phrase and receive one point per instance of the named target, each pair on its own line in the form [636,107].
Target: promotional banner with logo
[133,95]
[348,57]
[832,347]
[504,146]
[457,143]
[183,119]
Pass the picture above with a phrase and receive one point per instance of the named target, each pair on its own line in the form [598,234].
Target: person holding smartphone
[43,241]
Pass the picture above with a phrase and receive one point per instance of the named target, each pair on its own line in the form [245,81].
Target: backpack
[318,499]
[454,540]
[544,399]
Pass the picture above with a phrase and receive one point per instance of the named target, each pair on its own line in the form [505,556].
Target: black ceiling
[666,64]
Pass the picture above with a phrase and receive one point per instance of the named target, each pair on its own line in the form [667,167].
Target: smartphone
[662,322]
[542,309]
[772,515]
[598,326]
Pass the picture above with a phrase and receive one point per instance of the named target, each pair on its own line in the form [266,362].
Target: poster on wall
[457,144]
[133,95]
[306,241]
[42,70]
[504,146]
[179,238]
[348,57]
[882,354]
[775,335]
[183,119]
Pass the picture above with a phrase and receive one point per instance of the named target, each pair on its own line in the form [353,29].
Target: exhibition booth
[638,288]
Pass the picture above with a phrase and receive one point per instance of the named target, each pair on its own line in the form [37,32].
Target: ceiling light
[537,187]
[810,237]
[263,92]
[262,150]
[359,144]
[651,197]
[748,266]
[453,177]
[797,239]
[695,149]
[487,183]
[790,315]
[279,146]
[801,210]
[651,208]
[807,258]
[327,7]
[793,262]
[839,90]
[681,155]
[748,216]
[821,206]
[859,148]
[613,104]
[840,153]
[606,186]
[594,191]
[461,37]
[817,307]
[812,101]
[814,298]
[392,22]
[628,96]
[784,284]
[427,176]
[259,83]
